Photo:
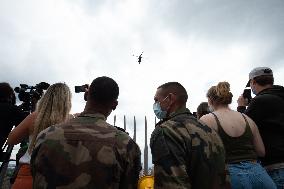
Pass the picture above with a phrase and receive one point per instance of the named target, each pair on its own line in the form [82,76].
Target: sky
[195,42]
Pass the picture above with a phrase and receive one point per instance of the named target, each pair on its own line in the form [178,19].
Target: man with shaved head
[185,152]
[87,152]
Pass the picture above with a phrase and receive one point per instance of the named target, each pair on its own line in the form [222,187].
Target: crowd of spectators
[220,149]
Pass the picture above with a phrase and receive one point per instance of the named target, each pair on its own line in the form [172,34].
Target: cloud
[225,23]
[195,42]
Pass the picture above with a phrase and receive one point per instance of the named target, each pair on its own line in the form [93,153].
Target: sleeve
[35,166]
[133,168]
[255,110]
[168,153]
[41,164]
[34,155]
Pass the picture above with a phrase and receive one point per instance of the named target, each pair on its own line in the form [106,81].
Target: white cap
[259,71]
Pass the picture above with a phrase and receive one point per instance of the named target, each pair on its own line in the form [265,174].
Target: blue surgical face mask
[253,91]
[161,114]
[252,88]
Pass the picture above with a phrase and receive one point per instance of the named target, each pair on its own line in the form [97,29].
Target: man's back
[267,110]
[85,152]
[187,154]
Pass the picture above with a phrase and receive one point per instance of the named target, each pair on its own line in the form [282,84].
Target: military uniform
[85,153]
[187,154]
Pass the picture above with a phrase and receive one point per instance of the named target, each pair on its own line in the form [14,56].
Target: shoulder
[123,139]
[208,119]
[183,128]
[251,123]
[51,133]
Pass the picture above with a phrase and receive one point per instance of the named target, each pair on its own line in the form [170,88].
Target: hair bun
[223,89]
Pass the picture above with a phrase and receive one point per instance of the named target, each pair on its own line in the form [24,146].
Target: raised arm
[22,131]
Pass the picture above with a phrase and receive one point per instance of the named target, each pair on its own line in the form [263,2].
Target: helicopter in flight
[139,58]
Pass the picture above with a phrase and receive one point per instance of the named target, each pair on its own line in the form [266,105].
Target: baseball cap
[259,71]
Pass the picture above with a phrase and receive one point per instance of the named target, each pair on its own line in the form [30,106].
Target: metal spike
[124,122]
[146,150]
[134,137]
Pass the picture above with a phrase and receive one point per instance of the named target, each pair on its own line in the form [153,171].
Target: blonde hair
[220,94]
[53,108]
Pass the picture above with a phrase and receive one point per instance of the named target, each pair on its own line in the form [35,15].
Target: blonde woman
[241,138]
[53,108]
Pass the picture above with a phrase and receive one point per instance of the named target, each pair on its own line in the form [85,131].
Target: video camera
[30,95]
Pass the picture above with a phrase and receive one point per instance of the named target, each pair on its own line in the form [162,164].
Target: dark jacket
[267,110]
[10,115]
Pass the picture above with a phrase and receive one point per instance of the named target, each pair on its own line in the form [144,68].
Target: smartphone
[247,94]
[81,88]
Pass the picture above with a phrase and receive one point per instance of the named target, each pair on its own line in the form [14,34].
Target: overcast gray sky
[195,42]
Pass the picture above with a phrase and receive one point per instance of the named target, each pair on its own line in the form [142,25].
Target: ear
[253,81]
[172,97]
[114,104]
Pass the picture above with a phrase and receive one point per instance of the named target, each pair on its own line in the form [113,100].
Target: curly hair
[53,108]
[220,94]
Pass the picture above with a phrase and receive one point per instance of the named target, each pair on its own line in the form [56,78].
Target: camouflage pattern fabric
[85,153]
[187,154]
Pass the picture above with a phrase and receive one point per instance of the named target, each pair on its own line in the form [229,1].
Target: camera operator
[10,114]
[267,111]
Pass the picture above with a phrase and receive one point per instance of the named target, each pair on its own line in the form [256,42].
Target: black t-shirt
[10,115]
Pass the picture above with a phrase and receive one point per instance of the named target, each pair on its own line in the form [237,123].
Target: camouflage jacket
[187,154]
[85,153]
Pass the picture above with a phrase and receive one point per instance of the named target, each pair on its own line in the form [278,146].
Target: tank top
[26,158]
[239,148]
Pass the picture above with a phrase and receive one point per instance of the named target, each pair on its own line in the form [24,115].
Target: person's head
[219,95]
[260,78]
[102,95]
[7,94]
[53,108]
[168,98]
[202,109]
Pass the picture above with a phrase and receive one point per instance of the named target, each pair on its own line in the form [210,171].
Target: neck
[176,108]
[93,109]
[222,107]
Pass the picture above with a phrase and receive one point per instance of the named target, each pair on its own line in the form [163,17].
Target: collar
[95,115]
[174,114]
[179,111]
